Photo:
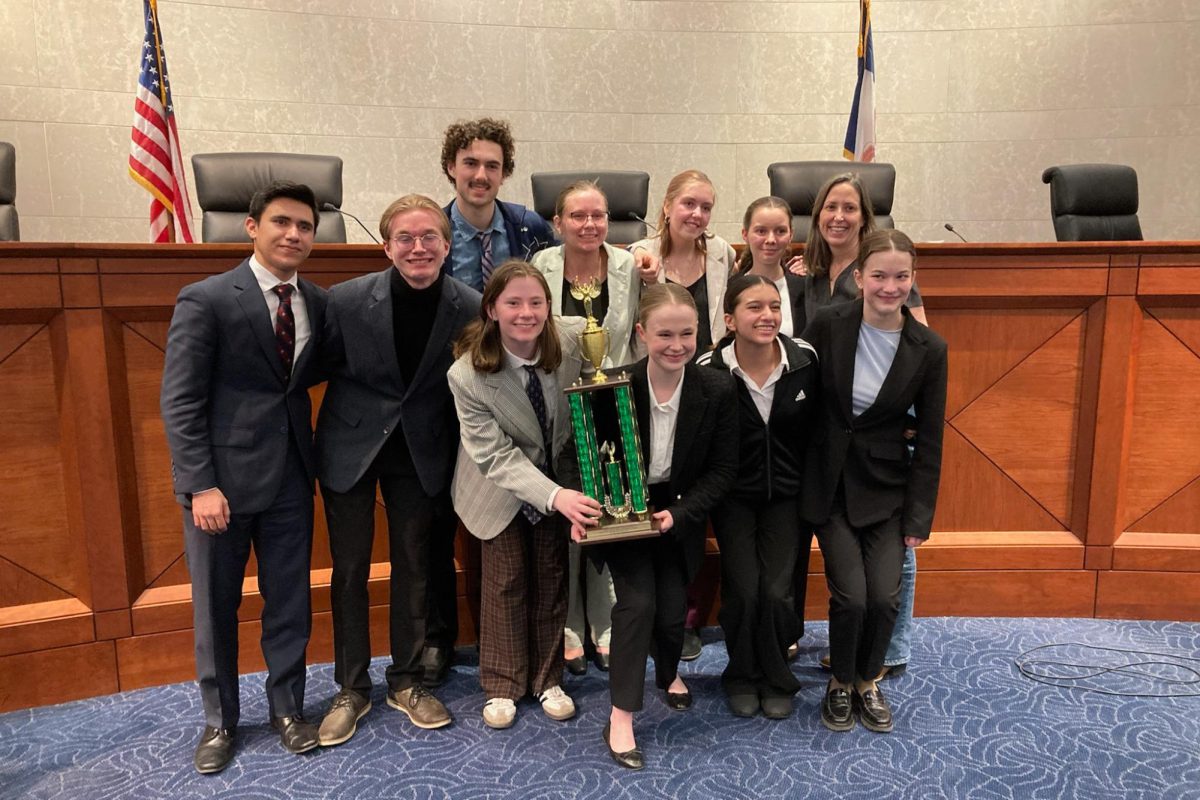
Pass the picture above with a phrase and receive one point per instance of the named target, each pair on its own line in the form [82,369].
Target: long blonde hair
[674,189]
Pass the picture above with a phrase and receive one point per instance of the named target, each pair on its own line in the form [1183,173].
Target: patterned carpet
[969,725]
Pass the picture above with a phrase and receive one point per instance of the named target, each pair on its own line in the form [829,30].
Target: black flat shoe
[601,660]
[630,759]
[743,705]
[792,652]
[679,701]
[777,706]
[837,711]
[296,735]
[577,665]
[892,672]
[692,645]
[873,710]
[214,751]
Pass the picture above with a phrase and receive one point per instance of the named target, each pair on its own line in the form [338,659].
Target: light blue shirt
[872,362]
[466,251]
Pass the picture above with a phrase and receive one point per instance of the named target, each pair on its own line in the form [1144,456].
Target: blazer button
[386,430]
[848,431]
[283,428]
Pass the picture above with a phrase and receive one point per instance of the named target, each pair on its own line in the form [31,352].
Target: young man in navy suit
[241,354]
[388,422]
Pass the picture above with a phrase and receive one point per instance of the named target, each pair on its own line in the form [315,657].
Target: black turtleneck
[413,312]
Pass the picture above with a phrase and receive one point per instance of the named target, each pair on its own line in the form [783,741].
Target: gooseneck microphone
[332,207]
[950,228]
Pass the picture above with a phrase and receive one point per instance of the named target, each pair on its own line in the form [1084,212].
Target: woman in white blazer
[509,486]
[584,257]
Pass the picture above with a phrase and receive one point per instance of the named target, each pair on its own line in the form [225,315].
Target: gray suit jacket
[227,406]
[367,399]
[502,442]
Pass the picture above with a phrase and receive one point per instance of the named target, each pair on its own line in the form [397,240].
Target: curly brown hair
[459,135]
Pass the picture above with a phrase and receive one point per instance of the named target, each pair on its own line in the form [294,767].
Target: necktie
[285,326]
[485,255]
[537,399]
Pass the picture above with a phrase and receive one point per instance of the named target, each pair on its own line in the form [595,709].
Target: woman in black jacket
[758,526]
[867,495]
[686,421]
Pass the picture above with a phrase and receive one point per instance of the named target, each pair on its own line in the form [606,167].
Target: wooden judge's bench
[1070,483]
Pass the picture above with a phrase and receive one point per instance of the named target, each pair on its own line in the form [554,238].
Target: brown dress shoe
[425,710]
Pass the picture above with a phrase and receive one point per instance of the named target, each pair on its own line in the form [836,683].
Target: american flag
[154,159]
[860,133]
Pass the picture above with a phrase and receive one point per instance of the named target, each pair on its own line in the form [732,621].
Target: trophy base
[622,531]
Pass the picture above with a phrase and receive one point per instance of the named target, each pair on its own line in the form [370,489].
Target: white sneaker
[500,713]
[557,704]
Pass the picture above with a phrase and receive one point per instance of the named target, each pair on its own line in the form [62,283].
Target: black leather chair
[1094,202]
[627,194]
[798,182]
[10,228]
[225,182]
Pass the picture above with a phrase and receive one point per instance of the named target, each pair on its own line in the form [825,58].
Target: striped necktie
[485,255]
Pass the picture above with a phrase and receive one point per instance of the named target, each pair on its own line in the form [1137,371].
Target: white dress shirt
[663,417]
[763,395]
[548,381]
[267,283]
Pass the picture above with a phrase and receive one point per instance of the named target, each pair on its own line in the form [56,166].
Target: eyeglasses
[428,240]
[582,217]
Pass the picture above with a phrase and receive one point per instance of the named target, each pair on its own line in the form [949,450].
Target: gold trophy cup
[593,341]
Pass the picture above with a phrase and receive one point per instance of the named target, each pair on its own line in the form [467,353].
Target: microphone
[648,225]
[332,207]
[950,228]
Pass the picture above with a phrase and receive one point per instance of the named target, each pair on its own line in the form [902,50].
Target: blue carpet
[969,725]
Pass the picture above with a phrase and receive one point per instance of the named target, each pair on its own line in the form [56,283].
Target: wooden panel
[113,624]
[1034,404]
[1122,281]
[30,291]
[81,291]
[40,626]
[982,282]
[1148,595]
[1003,593]
[1167,552]
[144,290]
[86,670]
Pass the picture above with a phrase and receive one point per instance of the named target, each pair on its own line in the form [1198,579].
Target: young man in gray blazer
[241,354]
[388,421]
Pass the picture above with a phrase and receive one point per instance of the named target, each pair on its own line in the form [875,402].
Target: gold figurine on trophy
[594,339]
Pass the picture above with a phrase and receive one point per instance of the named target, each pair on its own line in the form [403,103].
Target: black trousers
[758,559]
[800,576]
[650,579]
[281,536]
[441,584]
[862,568]
[414,520]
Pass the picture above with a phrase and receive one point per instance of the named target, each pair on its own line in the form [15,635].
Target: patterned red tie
[285,326]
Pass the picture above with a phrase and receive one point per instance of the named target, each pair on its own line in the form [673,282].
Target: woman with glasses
[585,265]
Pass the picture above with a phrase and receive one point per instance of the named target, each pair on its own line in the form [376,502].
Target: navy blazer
[869,453]
[704,457]
[367,399]
[229,409]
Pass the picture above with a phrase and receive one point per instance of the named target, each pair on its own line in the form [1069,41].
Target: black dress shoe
[679,701]
[873,710]
[601,660]
[296,735]
[630,759]
[894,671]
[214,751]
[577,665]
[692,645]
[776,706]
[744,705]
[837,712]
[792,652]
[435,663]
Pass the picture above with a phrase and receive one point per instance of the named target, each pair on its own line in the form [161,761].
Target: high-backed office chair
[798,182]
[627,194]
[225,182]
[10,228]
[1094,202]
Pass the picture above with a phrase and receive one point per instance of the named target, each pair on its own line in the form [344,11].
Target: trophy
[604,424]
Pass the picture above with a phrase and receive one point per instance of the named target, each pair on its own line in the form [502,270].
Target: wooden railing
[1070,484]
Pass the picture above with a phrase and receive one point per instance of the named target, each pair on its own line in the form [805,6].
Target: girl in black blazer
[758,525]
[868,495]
[767,232]
[686,420]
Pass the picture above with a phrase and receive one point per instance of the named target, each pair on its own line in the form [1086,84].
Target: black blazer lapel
[258,316]
[382,328]
[909,356]
[843,334]
[693,402]
[316,323]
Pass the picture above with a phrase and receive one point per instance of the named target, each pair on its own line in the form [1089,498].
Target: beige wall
[975,97]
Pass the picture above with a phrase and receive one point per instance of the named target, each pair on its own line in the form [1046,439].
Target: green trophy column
[631,448]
